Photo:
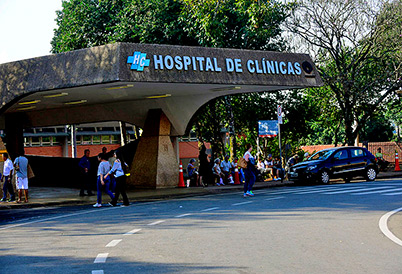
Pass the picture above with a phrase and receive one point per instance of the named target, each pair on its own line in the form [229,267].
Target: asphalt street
[337,228]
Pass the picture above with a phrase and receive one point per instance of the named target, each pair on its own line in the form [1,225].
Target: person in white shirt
[7,177]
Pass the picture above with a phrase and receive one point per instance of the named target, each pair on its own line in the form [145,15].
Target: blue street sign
[267,128]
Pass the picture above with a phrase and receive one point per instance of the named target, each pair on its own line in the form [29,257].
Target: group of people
[218,173]
[20,167]
[222,172]
[111,177]
[271,167]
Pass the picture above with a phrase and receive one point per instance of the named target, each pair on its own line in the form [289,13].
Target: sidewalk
[53,196]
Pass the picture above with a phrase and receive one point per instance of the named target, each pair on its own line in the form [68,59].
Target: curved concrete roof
[123,81]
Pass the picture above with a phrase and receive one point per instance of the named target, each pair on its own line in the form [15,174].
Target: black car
[338,162]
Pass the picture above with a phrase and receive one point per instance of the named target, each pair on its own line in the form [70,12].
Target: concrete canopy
[156,87]
[99,84]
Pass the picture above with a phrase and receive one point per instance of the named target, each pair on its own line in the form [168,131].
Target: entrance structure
[156,87]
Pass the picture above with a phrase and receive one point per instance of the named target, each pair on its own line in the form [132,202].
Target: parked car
[337,162]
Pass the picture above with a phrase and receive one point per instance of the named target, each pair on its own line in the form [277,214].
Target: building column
[14,135]
[155,163]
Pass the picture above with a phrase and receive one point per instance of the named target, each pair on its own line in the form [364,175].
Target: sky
[26,28]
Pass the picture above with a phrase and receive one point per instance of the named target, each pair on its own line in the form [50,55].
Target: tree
[85,23]
[245,24]
[357,46]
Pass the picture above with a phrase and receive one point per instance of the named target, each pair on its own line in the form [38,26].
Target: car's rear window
[357,152]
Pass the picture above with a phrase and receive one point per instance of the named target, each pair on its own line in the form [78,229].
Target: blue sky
[26,28]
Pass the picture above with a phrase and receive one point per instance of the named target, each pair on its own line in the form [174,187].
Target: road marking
[392,194]
[378,191]
[183,215]
[132,231]
[288,191]
[276,198]
[157,222]
[354,190]
[243,203]
[209,209]
[101,258]
[383,224]
[114,243]
[318,191]
[97,272]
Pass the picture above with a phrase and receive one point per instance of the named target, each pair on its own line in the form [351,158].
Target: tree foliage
[230,23]
[357,46]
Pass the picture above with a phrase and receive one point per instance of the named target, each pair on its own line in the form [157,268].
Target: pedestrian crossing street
[386,188]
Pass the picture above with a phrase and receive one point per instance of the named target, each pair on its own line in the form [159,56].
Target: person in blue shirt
[21,168]
[120,171]
[249,172]
[192,173]
[102,183]
[85,166]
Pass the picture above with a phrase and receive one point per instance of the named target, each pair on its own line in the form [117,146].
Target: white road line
[392,194]
[101,258]
[276,198]
[183,215]
[132,231]
[287,191]
[318,191]
[114,243]
[97,272]
[209,209]
[354,190]
[378,191]
[243,203]
[383,224]
[157,222]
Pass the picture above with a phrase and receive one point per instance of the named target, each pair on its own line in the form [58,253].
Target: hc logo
[138,61]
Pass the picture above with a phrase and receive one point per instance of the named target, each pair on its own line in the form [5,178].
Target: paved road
[308,229]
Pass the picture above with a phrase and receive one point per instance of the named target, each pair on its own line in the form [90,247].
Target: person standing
[203,166]
[7,177]
[103,169]
[21,168]
[249,172]
[120,171]
[85,166]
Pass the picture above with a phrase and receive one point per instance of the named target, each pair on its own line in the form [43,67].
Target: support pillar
[155,163]
[14,135]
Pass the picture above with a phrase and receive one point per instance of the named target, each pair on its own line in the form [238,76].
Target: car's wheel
[371,174]
[323,177]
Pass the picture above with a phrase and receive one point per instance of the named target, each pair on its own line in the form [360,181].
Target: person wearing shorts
[21,168]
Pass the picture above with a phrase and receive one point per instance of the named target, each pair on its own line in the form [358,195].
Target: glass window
[321,155]
[105,139]
[45,141]
[342,154]
[35,141]
[86,139]
[96,139]
[357,152]
[115,139]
